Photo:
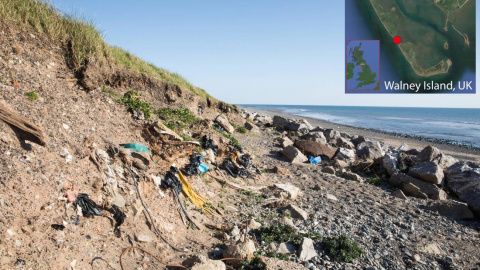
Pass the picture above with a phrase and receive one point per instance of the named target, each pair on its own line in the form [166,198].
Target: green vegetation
[32,95]
[228,136]
[280,233]
[271,254]
[373,181]
[185,137]
[132,100]
[366,76]
[341,248]
[81,40]
[254,264]
[242,130]
[256,197]
[177,118]
[350,68]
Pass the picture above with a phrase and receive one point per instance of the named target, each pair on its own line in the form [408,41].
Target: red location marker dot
[397,40]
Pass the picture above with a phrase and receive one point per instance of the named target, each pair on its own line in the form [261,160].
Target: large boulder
[414,191]
[280,121]
[313,148]
[332,135]
[222,120]
[390,163]
[290,191]
[264,119]
[297,126]
[445,161]
[463,179]
[285,141]
[358,139]
[344,143]
[317,136]
[429,153]
[370,150]
[346,155]
[450,208]
[428,172]
[432,191]
[251,127]
[294,155]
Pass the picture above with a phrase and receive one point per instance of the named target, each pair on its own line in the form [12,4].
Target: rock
[251,127]
[428,172]
[253,224]
[346,155]
[145,237]
[294,155]
[345,143]
[390,163]
[264,119]
[277,264]
[316,136]
[352,176]
[445,161]
[313,148]
[286,248]
[309,126]
[240,250]
[370,150]
[296,212]
[307,250]
[404,147]
[292,191]
[463,179]
[300,127]
[332,135]
[119,201]
[210,155]
[356,139]
[432,191]
[224,123]
[286,221]
[280,170]
[399,194]
[429,153]
[431,248]
[450,208]
[331,197]
[414,191]
[200,262]
[280,121]
[341,164]
[329,170]
[285,142]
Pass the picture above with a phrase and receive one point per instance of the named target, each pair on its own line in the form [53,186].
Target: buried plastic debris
[136,147]
[209,144]
[245,160]
[89,207]
[315,160]
[235,171]
[235,148]
[171,181]
[192,167]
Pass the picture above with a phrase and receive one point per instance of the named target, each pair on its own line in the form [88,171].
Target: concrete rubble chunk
[414,191]
[285,142]
[463,179]
[370,150]
[445,161]
[332,135]
[432,191]
[222,120]
[296,212]
[292,191]
[429,153]
[313,148]
[251,127]
[452,209]
[346,155]
[307,250]
[428,172]
[404,147]
[294,155]
[241,250]
[201,262]
[390,163]
[264,119]
[316,136]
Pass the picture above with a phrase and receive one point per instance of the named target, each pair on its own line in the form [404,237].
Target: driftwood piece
[24,129]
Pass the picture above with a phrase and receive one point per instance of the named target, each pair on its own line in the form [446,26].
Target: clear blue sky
[249,51]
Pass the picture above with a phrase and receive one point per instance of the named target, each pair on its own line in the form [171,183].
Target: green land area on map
[436,34]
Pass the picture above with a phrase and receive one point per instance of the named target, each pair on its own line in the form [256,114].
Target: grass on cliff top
[81,40]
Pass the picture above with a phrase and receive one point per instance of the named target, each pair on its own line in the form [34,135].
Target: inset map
[363,65]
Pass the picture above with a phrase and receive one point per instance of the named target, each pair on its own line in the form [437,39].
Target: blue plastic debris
[315,160]
[202,168]
[136,147]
